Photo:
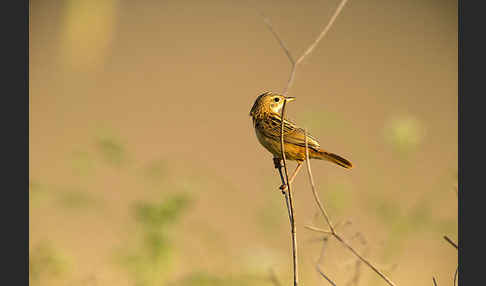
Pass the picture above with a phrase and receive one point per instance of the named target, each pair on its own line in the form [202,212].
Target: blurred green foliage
[150,263]
[402,224]
[59,196]
[75,199]
[155,215]
[46,263]
[112,151]
[404,133]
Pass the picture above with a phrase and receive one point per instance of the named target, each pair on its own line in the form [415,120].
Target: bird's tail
[323,155]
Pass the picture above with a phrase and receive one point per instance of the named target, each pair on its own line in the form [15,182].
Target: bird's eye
[276,99]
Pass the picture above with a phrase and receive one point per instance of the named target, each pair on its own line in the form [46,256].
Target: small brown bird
[267,123]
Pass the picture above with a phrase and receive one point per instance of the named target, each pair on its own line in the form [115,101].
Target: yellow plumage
[267,124]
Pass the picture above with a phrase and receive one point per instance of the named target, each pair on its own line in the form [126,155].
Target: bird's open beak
[289,99]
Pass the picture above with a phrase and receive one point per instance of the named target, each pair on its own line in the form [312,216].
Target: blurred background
[144,165]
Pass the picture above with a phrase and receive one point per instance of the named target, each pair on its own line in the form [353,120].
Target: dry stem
[324,275]
[450,241]
[288,194]
[357,268]
[290,205]
[309,50]
[457,247]
[321,258]
[296,171]
[318,229]
[455,276]
[332,229]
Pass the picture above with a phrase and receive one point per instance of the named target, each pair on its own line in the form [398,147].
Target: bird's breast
[270,144]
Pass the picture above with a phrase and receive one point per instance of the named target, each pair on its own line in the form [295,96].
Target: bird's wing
[292,133]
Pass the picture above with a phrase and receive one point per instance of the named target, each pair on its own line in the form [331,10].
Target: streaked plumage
[267,123]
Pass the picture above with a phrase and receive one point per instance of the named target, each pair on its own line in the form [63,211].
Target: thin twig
[290,205]
[280,41]
[357,273]
[450,241]
[325,276]
[455,276]
[358,263]
[308,51]
[290,80]
[323,33]
[296,171]
[294,64]
[321,255]
[317,229]
[333,231]
[343,242]
[435,282]
[382,275]
[313,187]
[321,260]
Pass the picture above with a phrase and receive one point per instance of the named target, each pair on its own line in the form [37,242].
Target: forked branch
[308,51]
[328,220]
[288,193]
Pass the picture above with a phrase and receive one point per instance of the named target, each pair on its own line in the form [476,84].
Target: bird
[267,121]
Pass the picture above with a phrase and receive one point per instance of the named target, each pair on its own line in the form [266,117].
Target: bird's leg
[283,187]
[278,165]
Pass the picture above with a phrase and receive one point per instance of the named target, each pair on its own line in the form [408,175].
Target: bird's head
[269,102]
